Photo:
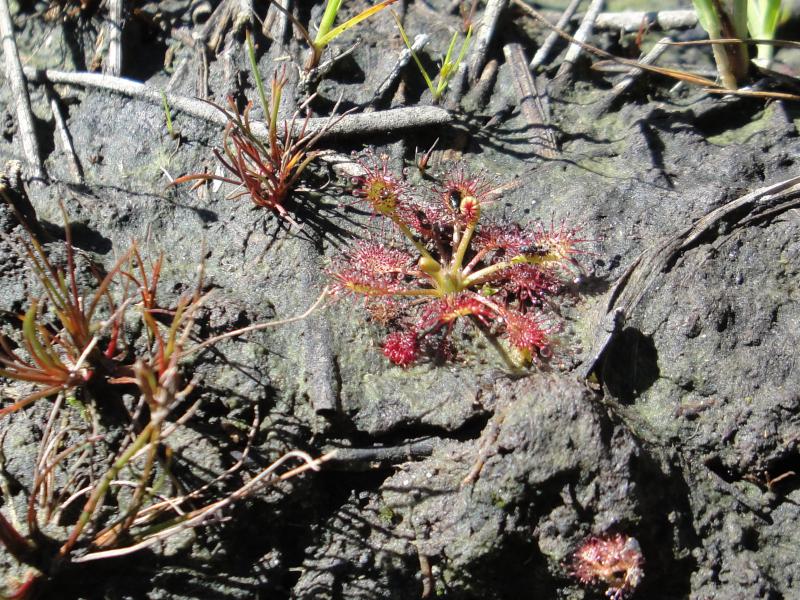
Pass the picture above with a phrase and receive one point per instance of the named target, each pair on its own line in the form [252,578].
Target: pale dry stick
[342,164]
[634,73]
[584,31]
[16,79]
[530,102]
[276,23]
[544,50]
[202,515]
[428,581]
[348,125]
[709,84]
[211,30]
[483,37]
[64,137]
[113,65]
[214,31]
[630,21]
[405,56]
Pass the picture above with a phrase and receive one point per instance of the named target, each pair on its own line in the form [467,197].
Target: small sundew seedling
[613,560]
[449,65]
[453,269]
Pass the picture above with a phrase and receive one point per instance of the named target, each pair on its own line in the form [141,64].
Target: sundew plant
[437,264]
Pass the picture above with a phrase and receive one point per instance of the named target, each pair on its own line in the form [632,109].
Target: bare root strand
[206,514]
[258,327]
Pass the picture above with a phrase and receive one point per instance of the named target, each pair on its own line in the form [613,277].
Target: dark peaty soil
[669,426]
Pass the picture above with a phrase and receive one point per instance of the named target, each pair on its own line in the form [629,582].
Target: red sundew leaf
[562,242]
[378,259]
[401,347]
[527,331]
[466,305]
[509,238]
[529,283]
[459,184]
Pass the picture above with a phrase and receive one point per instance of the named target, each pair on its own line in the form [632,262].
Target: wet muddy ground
[668,412]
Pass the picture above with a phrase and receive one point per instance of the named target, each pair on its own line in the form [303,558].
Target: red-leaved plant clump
[614,560]
[450,268]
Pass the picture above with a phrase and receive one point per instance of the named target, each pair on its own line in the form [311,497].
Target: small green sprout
[763,18]
[168,117]
[447,69]
[327,32]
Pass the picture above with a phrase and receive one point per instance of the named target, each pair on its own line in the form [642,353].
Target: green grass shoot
[448,68]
